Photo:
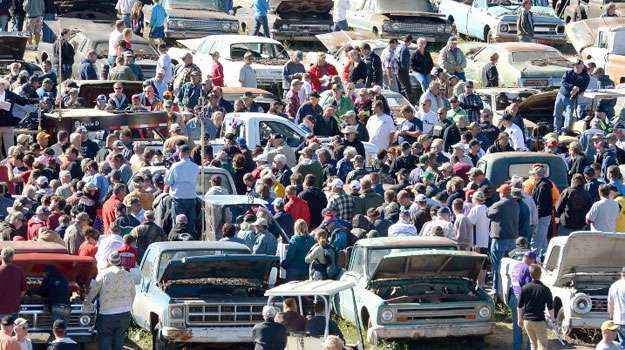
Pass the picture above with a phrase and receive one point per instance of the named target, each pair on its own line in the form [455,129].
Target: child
[90,246]
[128,253]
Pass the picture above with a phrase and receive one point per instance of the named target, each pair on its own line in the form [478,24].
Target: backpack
[331,256]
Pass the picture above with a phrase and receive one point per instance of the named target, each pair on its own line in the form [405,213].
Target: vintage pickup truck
[33,258]
[495,20]
[578,274]
[417,287]
[501,167]
[602,41]
[577,10]
[301,20]
[200,292]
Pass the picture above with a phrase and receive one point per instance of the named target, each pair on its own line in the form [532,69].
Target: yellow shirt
[620,219]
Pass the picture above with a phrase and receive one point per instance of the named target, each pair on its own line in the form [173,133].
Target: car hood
[429,263]
[335,40]
[545,69]
[589,251]
[583,34]
[410,14]
[540,12]
[283,7]
[79,269]
[198,14]
[12,47]
[249,268]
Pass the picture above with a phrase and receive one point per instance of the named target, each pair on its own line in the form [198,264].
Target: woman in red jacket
[319,71]
[217,70]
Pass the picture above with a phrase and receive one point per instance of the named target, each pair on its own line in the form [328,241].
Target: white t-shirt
[516,137]
[616,295]
[603,345]
[602,215]
[428,119]
[114,38]
[339,12]
[107,244]
[380,129]
[402,229]
[164,62]
[477,216]
[428,228]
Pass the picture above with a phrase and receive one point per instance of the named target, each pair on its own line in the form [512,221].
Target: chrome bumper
[440,330]
[208,335]
[539,39]
[591,320]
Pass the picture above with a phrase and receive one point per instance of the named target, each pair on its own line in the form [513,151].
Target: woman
[294,263]
[320,257]
[21,334]
[574,202]
[216,70]
[125,44]
[136,15]
[238,162]
[576,159]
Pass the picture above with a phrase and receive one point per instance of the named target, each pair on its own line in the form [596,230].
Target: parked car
[206,172]
[578,274]
[187,19]
[269,57]
[201,292]
[394,18]
[89,90]
[12,49]
[417,287]
[33,258]
[520,64]
[601,40]
[494,21]
[301,20]
[578,10]
[227,209]
[261,97]
[502,166]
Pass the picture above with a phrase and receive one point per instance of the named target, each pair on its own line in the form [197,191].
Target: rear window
[523,169]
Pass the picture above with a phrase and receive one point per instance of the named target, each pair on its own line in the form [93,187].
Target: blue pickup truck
[495,20]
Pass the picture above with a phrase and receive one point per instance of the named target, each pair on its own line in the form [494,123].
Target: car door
[356,14]
[140,310]
[292,138]
[476,17]
[353,273]
[457,10]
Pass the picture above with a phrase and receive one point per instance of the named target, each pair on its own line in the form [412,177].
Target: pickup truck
[256,128]
[494,21]
[201,292]
[602,41]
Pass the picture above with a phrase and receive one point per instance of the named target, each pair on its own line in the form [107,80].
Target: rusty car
[416,287]
[300,20]
[201,292]
[577,10]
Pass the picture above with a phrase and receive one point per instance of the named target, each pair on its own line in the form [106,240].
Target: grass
[139,338]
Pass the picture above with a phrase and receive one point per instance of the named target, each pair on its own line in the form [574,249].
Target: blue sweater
[571,79]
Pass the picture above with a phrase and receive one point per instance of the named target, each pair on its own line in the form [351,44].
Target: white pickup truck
[256,128]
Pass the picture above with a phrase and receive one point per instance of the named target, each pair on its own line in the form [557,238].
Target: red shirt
[317,72]
[298,208]
[87,249]
[13,284]
[129,256]
[217,74]
[33,226]
[53,220]
[108,211]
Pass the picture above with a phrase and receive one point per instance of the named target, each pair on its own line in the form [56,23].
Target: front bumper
[438,37]
[208,334]
[591,320]
[440,330]
[300,35]
[539,39]
[189,33]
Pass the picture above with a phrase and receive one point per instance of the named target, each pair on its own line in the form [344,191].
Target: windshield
[374,256]
[404,5]
[140,50]
[258,50]
[544,3]
[529,56]
[170,255]
[212,5]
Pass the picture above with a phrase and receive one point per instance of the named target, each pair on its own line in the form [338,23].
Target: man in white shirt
[616,305]
[164,63]
[602,215]
[380,127]
[124,7]
[515,133]
[403,227]
[114,38]
[108,243]
[477,216]
[442,220]
[339,14]
[427,116]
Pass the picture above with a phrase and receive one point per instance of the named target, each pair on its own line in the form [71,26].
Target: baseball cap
[443,210]
[421,198]
[115,259]
[81,129]
[185,148]
[168,103]
[337,183]
[479,195]
[609,325]
[354,185]
[21,322]
[8,320]
[278,202]
[101,98]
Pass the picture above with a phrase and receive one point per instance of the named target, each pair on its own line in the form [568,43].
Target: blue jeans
[539,241]
[112,330]
[48,35]
[562,111]
[127,21]
[188,208]
[4,21]
[340,25]
[424,80]
[460,76]
[261,21]
[499,248]
[517,332]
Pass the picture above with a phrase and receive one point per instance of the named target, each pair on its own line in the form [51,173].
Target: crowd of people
[99,200]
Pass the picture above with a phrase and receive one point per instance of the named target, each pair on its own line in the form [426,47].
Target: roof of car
[22,247]
[519,46]
[234,38]
[310,287]
[195,245]
[528,155]
[403,241]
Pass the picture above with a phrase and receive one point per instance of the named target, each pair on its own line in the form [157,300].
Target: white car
[269,57]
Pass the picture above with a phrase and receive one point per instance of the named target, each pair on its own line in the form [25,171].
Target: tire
[366,321]
[376,32]
[159,343]
[488,36]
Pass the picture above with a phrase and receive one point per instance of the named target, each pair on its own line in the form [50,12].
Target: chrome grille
[599,304]
[194,24]
[209,314]
[446,313]
[39,318]
[415,27]
[546,29]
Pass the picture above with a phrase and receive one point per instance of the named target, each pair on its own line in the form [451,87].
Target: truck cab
[608,52]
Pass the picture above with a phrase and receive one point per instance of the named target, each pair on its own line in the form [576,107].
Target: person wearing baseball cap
[266,242]
[609,332]
[577,81]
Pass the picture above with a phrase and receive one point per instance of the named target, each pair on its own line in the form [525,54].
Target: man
[61,340]
[7,326]
[247,74]
[471,102]
[75,233]
[182,179]
[13,281]
[403,227]
[543,198]
[504,216]
[321,74]
[340,202]
[87,67]
[374,66]
[269,335]
[422,64]
[350,134]
[616,305]
[390,66]
[533,300]
[118,99]
[292,70]
[339,15]
[525,23]
[121,71]
[266,243]
[189,94]
[608,337]
[603,213]
[309,108]
[277,146]
[315,327]
[39,220]
[115,289]
[34,10]
[520,277]
[260,17]
[574,83]
[124,7]
[292,99]
[452,59]
[490,74]
[315,198]
[514,132]
[404,67]
[8,122]
[183,72]
[380,127]
[296,206]
[66,57]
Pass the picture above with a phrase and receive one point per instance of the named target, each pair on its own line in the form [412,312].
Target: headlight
[484,312]
[395,26]
[176,311]
[234,26]
[387,315]
[581,303]
[386,25]
[560,29]
[225,26]
[504,27]
[84,320]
